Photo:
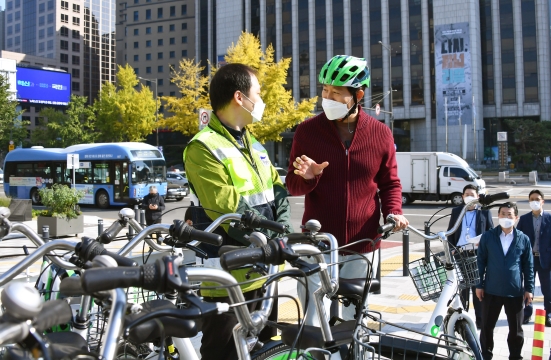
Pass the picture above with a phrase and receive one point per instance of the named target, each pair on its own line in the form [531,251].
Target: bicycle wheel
[463,328]
[277,350]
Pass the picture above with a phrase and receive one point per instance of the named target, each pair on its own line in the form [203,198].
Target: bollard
[45,233]
[100,227]
[405,252]
[539,332]
[142,218]
[378,276]
[137,212]
[427,242]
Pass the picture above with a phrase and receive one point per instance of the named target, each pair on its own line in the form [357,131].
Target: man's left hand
[401,222]
[528,297]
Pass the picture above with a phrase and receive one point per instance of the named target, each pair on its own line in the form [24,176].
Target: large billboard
[453,74]
[43,86]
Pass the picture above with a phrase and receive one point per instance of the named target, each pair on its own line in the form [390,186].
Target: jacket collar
[216,125]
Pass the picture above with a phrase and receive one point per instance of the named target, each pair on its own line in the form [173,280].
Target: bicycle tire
[463,328]
[276,350]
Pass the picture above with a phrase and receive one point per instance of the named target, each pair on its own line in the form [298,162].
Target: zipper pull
[346,152]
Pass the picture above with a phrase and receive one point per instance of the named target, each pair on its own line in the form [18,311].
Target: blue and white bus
[109,174]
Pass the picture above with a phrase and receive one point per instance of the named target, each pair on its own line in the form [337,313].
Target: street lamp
[390,85]
[156,106]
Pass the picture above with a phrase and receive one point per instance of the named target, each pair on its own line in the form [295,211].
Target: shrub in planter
[61,201]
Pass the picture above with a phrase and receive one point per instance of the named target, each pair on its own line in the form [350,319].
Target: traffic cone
[539,332]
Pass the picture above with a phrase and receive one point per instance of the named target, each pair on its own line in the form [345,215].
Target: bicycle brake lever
[198,252]
[259,268]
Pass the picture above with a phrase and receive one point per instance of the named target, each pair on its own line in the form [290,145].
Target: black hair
[510,205]
[470,186]
[536,191]
[226,81]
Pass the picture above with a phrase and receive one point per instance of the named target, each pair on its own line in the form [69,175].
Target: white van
[435,176]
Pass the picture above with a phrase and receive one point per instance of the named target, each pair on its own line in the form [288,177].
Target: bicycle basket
[466,267]
[428,277]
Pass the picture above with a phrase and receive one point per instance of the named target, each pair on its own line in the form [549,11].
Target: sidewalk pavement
[398,302]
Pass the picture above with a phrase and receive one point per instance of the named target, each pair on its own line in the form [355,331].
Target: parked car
[176,179]
[1,176]
[176,193]
[282,174]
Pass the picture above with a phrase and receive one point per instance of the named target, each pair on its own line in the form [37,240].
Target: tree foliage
[11,126]
[193,87]
[75,126]
[531,142]
[124,113]
[282,111]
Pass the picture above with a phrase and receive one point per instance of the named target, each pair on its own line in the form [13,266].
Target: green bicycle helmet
[343,70]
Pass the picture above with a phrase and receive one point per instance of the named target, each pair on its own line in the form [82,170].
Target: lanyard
[472,218]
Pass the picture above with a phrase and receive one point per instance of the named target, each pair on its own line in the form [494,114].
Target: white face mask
[334,110]
[535,205]
[506,223]
[468,199]
[258,109]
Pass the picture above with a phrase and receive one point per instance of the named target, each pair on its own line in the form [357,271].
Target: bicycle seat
[150,330]
[312,336]
[354,288]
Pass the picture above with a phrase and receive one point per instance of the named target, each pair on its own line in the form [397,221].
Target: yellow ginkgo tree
[282,111]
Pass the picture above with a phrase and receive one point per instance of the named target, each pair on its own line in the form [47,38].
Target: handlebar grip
[112,231]
[298,238]
[237,258]
[182,232]
[121,260]
[488,199]
[254,221]
[101,279]
[71,286]
[386,228]
[53,313]
[206,237]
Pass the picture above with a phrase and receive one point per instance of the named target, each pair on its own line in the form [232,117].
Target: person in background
[505,265]
[154,205]
[475,222]
[537,225]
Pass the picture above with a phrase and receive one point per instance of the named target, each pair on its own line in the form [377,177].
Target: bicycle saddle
[65,345]
[354,288]
[150,330]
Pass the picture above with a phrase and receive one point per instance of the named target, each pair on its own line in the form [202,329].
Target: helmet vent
[353,69]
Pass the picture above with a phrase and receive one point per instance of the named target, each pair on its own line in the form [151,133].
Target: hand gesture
[401,223]
[528,297]
[308,168]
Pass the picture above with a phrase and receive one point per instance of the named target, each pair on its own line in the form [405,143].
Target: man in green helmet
[344,162]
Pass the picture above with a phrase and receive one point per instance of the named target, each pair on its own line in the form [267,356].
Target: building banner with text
[453,74]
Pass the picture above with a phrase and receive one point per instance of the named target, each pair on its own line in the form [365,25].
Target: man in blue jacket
[505,264]
[537,225]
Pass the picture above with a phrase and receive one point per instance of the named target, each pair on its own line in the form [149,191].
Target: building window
[76,34]
[76,20]
[172,54]
[159,42]
[17,28]
[184,26]
[64,5]
[136,15]
[76,8]
[160,82]
[147,56]
[136,44]
[41,8]
[173,93]
[17,15]
[64,31]
[10,5]
[76,47]
[160,29]
[184,39]
[10,17]
[17,4]
[10,42]
[40,34]
[64,18]
[10,30]
[172,41]
[17,41]
[50,45]
[184,9]
[41,20]
[173,11]
[148,43]
[50,4]
[76,73]
[64,45]
[160,68]
[41,47]
[137,71]
[159,55]
[51,18]
[136,1]
[75,86]
[64,58]
[75,60]
[50,31]
[184,53]
[136,32]
[172,27]
[148,30]
[159,13]
[148,14]
[136,58]
[148,70]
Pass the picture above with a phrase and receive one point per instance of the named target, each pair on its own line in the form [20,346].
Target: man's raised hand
[308,168]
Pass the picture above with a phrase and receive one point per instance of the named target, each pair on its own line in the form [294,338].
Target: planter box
[61,227]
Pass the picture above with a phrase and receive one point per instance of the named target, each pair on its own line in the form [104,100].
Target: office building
[2,29]
[457,69]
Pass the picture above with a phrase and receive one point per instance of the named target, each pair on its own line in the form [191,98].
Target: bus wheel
[35,196]
[102,199]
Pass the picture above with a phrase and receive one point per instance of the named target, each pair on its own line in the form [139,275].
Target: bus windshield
[148,171]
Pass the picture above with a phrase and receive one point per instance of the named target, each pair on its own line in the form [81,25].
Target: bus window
[101,172]
[42,170]
[125,173]
[148,171]
[82,176]
[24,170]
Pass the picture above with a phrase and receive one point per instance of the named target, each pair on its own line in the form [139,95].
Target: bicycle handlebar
[275,252]
[89,248]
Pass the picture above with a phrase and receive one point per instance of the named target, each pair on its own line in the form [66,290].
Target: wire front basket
[428,277]
[466,267]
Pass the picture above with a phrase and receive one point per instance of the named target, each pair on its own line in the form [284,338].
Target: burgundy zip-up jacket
[344,198]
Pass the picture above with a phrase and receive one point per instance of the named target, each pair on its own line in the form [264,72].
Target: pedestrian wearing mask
[506,269]
[154,205]
[475,223]
[537,225]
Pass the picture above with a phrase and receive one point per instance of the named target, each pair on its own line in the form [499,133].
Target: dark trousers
[491,307]
[217,342]
[149,221]
[476,303]
[545,281]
